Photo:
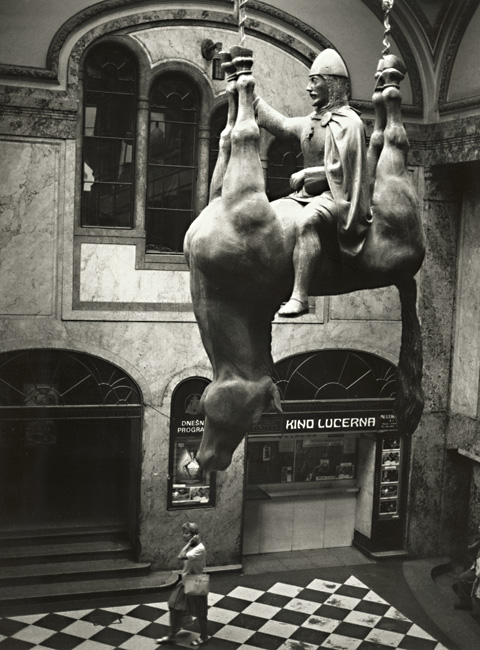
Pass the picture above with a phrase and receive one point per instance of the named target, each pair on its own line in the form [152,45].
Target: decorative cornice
[447,142]
[38,122]
[27,72]
[32,112]
[460,105]
[367,107]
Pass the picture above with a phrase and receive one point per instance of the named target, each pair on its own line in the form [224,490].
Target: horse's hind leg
[392,160]
[225,141]
[375,145]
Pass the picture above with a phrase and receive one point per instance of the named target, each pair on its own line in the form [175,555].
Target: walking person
[180,604]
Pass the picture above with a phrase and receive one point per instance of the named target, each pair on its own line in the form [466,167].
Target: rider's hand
[297,180]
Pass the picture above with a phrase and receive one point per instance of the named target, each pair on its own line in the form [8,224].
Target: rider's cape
[347,175]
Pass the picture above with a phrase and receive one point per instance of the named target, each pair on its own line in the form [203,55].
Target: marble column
[436,306]
[202,186]
[141,166]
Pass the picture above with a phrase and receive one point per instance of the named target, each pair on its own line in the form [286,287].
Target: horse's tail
[409,401]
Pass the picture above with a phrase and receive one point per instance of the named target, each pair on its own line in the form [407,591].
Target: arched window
[172,165]
[108,138]
[284,158]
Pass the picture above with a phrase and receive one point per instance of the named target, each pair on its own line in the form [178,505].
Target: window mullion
[203,153]
[141,175]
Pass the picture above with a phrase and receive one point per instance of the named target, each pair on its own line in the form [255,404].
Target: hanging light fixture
[211,52]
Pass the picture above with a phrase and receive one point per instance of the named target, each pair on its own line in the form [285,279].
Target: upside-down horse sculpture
[245,254]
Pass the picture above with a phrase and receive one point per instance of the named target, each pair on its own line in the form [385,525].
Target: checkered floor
[322,614]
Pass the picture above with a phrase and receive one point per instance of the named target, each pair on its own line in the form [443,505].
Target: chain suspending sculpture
[361,230]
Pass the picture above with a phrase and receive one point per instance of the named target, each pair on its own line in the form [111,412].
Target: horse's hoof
[391,71]
[227,66]
[239,50]
[242,59]
[393,61]
[293,308]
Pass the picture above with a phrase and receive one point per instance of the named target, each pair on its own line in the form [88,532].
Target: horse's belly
[222,253]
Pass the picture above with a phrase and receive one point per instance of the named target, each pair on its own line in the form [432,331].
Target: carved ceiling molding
[432,32]
[469,7]
[142,14]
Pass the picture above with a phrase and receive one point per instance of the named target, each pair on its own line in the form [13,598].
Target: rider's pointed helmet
[329,62]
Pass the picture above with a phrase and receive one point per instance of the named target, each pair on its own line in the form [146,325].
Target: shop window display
[390,477]
[300,459]
[189,486]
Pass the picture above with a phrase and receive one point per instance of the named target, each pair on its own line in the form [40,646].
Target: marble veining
[108,274]
[28,214]
[466,358]
[376,304]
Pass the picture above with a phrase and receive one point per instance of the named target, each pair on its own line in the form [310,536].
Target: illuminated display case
[298,458]
[390,496]
[390,477]
[188,485]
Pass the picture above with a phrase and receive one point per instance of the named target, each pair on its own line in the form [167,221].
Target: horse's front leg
[244,176]
[225,141]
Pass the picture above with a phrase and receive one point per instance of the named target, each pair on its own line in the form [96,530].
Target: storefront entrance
[70,430]
[330,468]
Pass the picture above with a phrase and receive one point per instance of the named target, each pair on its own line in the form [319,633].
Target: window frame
[155,87]
[147,76]
[101,137]
[290,147]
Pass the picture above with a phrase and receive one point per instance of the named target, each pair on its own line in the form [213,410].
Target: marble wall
[466,358]
[29,200]
[108,274]
[427,509]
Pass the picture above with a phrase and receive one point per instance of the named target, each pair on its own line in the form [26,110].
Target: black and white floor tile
[321,614]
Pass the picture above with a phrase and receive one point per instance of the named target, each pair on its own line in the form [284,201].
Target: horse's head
[232,406]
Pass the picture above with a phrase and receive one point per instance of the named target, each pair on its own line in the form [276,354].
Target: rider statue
[334,185]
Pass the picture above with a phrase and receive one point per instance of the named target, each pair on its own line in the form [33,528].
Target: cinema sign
[332,422]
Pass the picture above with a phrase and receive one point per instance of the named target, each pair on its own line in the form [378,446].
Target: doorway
[70,428]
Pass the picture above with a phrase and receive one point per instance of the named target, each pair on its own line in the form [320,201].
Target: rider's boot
[305,254]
